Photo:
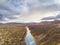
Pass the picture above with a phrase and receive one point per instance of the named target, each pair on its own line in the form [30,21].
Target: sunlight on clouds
[17,16]
[36,16]
[6,19]
[28,10]
[52,13]
[33,17]
[57,1]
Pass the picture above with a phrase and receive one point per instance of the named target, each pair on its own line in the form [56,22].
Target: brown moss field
[44,34]
[12,34]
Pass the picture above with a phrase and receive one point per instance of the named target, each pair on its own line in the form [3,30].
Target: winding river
[29,38]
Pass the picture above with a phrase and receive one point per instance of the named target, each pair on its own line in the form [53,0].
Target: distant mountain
[33,23]
[56,22]
[51,22]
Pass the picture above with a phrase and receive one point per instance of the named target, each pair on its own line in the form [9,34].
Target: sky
[23,11]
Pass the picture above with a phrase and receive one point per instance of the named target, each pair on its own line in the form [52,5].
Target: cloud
[52,17]
[48,18]
[27,10]
[58,16]
[53,7]
[57,2]
[1,17]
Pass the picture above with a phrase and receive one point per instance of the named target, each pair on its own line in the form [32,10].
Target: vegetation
[46,34]
[12,35]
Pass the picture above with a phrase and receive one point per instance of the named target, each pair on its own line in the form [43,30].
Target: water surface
[29,38]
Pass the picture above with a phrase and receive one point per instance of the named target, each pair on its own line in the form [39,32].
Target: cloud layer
[27,10]
[57,17]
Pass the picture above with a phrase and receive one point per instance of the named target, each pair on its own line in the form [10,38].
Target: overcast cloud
[27,10]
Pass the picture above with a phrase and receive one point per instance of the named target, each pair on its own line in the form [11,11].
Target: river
[29,38]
